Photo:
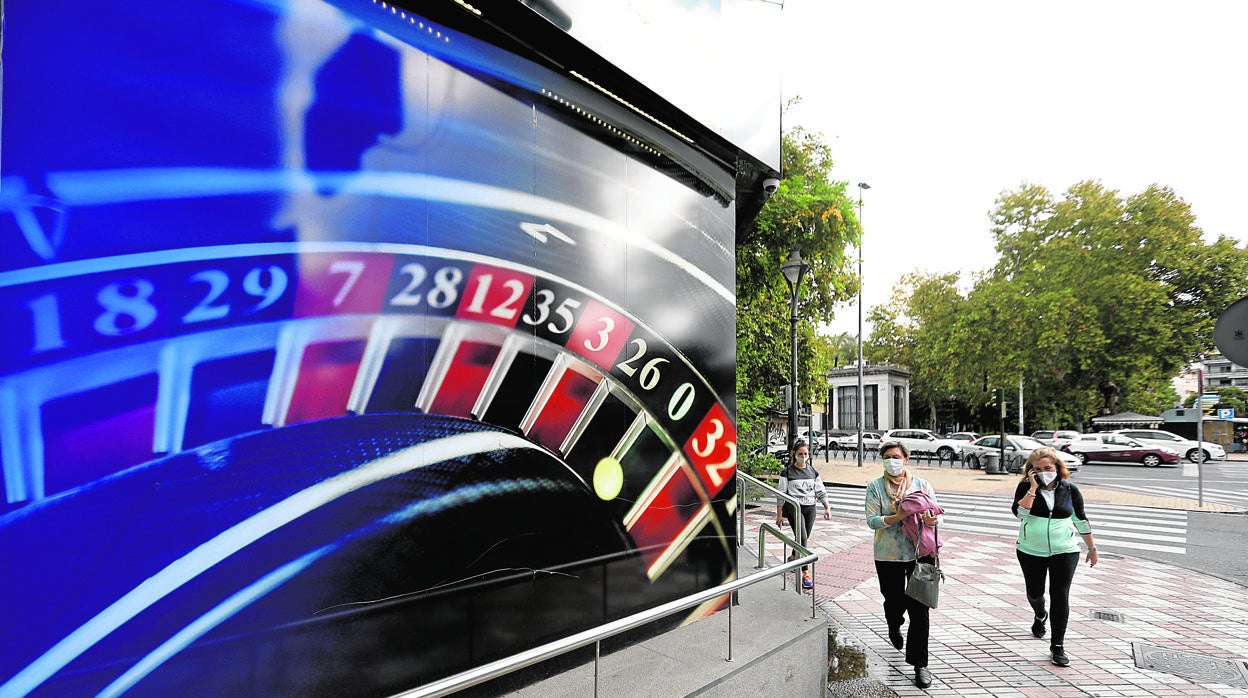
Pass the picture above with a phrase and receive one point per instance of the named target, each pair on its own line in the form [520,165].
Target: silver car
[1017,450]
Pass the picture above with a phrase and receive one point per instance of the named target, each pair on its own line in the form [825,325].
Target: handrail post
[812,592]
[740,511]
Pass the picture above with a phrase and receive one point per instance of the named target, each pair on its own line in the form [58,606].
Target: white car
[870,440]
[1185,447]
[924,441]
[813,439]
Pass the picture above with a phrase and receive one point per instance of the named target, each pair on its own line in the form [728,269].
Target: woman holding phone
[1050,510]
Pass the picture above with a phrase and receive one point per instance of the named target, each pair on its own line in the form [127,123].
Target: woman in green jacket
[1051,510]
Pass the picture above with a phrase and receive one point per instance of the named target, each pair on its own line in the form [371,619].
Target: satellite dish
[1230,333]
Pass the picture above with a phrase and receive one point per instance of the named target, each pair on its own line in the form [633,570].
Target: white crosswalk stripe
[1233,498]
[1115,527]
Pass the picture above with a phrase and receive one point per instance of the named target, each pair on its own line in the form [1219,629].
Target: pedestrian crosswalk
[1115,527]
[1207,495]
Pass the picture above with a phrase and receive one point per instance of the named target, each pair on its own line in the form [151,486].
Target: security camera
[770,185]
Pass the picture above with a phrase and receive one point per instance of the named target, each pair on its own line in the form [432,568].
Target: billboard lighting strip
[468,7]
[600,122]
[402,14]
[626,103]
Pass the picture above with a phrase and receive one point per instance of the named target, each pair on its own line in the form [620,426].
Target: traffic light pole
[1000,395]
[1200,438]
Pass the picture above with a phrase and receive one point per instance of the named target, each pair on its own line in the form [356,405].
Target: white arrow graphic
[539,231]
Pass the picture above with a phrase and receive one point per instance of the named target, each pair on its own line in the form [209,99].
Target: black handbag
[923,584]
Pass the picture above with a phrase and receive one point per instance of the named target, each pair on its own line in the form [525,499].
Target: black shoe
[894,636]
[1037,626]
[922,677]
[1059,657]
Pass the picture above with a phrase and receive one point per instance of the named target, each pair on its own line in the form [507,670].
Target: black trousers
[897,606]
[1060,570]
[808,522]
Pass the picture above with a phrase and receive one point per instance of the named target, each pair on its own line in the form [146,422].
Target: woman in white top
[802,482]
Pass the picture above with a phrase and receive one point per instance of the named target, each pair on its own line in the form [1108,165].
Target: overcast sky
[941,106]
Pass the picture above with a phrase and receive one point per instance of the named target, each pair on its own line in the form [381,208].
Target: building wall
[1222,372]
[887,388]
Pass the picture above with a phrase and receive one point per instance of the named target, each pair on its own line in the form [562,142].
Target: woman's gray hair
[889,445]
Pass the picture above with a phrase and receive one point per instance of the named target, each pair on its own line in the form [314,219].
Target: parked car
[816,438]
[870,440]
[1054,437]
[1116,448]
[1017,449]
[778,448]
[924,441]
[1186,447]
[964,436]
[1061,437]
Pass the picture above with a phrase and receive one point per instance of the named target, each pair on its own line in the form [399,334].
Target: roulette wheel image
[381,531]
[344,352]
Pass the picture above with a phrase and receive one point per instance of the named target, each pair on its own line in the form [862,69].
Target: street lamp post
[794,269]
[862,398]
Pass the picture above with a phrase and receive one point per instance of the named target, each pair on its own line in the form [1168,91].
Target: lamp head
[794,269]
[864,185]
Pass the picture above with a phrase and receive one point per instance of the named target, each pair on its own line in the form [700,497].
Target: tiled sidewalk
[981,642]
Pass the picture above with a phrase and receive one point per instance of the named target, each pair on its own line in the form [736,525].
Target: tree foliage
[813,212]
[1095,302]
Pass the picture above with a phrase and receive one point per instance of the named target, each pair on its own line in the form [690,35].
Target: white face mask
[894,466]
[1046,477]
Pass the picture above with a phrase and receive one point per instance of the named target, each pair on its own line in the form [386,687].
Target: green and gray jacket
[1044,532]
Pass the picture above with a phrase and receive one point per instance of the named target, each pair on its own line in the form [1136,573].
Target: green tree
[901,336]
[841,349]
[1095,302]
[1231,398]
[1125,291]
[813,212]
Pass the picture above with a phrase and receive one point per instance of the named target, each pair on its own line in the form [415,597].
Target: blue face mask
[894,466]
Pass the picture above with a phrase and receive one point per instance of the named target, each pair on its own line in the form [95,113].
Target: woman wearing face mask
[802,482]
[896,553]
[1051,510]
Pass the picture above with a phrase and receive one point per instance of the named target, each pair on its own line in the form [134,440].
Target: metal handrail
[492,670]
[797,510]
[596,635]
[765,528]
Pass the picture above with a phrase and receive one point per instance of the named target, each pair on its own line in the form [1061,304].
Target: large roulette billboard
[342,351]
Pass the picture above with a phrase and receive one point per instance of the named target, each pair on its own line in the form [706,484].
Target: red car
[1116,448]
